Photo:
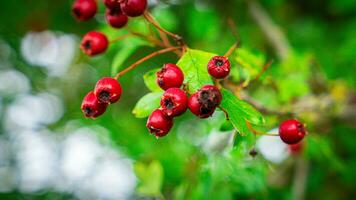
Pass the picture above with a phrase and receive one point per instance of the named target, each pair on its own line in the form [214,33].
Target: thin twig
[121,37]
[225,112]
[232,49]
[249,126]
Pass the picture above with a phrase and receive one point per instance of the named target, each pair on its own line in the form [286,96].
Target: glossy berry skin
[94,43]
[91,107]
[219,67]
[174,102]
[204,102]
[170,76]
[112,3]
[159,124]
[291,131]
[84,10]
[108,90]
[134,8]
[115,17]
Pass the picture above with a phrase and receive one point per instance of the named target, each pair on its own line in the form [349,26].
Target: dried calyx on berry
[108,90]
[91,107]
[204,102]
[115,17]
[219,67]
[84,10]
[159,124]
[291,131]
[170,76]
[133,8]
[174,102]
[94,43]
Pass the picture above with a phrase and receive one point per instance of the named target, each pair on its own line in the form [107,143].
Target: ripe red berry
[108,90]
[291,131]
[94,43]
[91,107]
[84,10]
[170,76]
[115,17]
[219,67]
[204,102]
[134,8]
[174,102]
[112,3]
[159,124]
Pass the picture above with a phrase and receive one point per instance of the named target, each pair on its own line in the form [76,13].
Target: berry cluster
[117,15]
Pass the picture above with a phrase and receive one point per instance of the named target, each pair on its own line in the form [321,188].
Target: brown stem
[225,112]
[151,39]
[156,53]
[121,37]
[258,132]
[264,69]
[232,49]
[233,29]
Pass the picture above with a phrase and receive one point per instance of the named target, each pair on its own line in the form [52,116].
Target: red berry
[108,90]
[219,67]
[112,3]
[159,124]
[115,17]
[91,107]
[84,10]
[174,102]
[134,8]
[94,43]
[291,131]
[204,102]
[170,76]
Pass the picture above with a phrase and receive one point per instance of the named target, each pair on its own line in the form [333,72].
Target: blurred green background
[48,150]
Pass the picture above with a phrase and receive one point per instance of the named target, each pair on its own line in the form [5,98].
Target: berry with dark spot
[108,90]
[134,8]
[219,67]
[174,102]
[84,10]
[159,124]
[291,131]
[170,76]
[94,43]
[204,102]
[115,17]
[91,107]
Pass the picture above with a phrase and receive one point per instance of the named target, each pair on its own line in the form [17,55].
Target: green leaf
[150,80]
[151,178]
[147,104]
[194,66]
[240,112]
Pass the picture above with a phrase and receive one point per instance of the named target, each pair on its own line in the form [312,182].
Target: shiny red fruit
[159,124]
[115,17]
[291,131]
[174,102]
[108,90]
[170,76]
[94,43]
[134,8]
[204,102]
[112,3]
[84,10]
[219,67]
[91,107]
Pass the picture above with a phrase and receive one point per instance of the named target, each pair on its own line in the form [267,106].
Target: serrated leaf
[194,66]
[240,112]
[150,80]
[151,178]
[147,104]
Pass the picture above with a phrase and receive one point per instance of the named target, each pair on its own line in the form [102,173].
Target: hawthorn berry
[219,67]
[291,131]
[108,90]
[170,76]
[112,3]
[159,124]
[84,10]
[134,8]
[91,107]
[115,17]
[174,102]
[94,43]
[204,102]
